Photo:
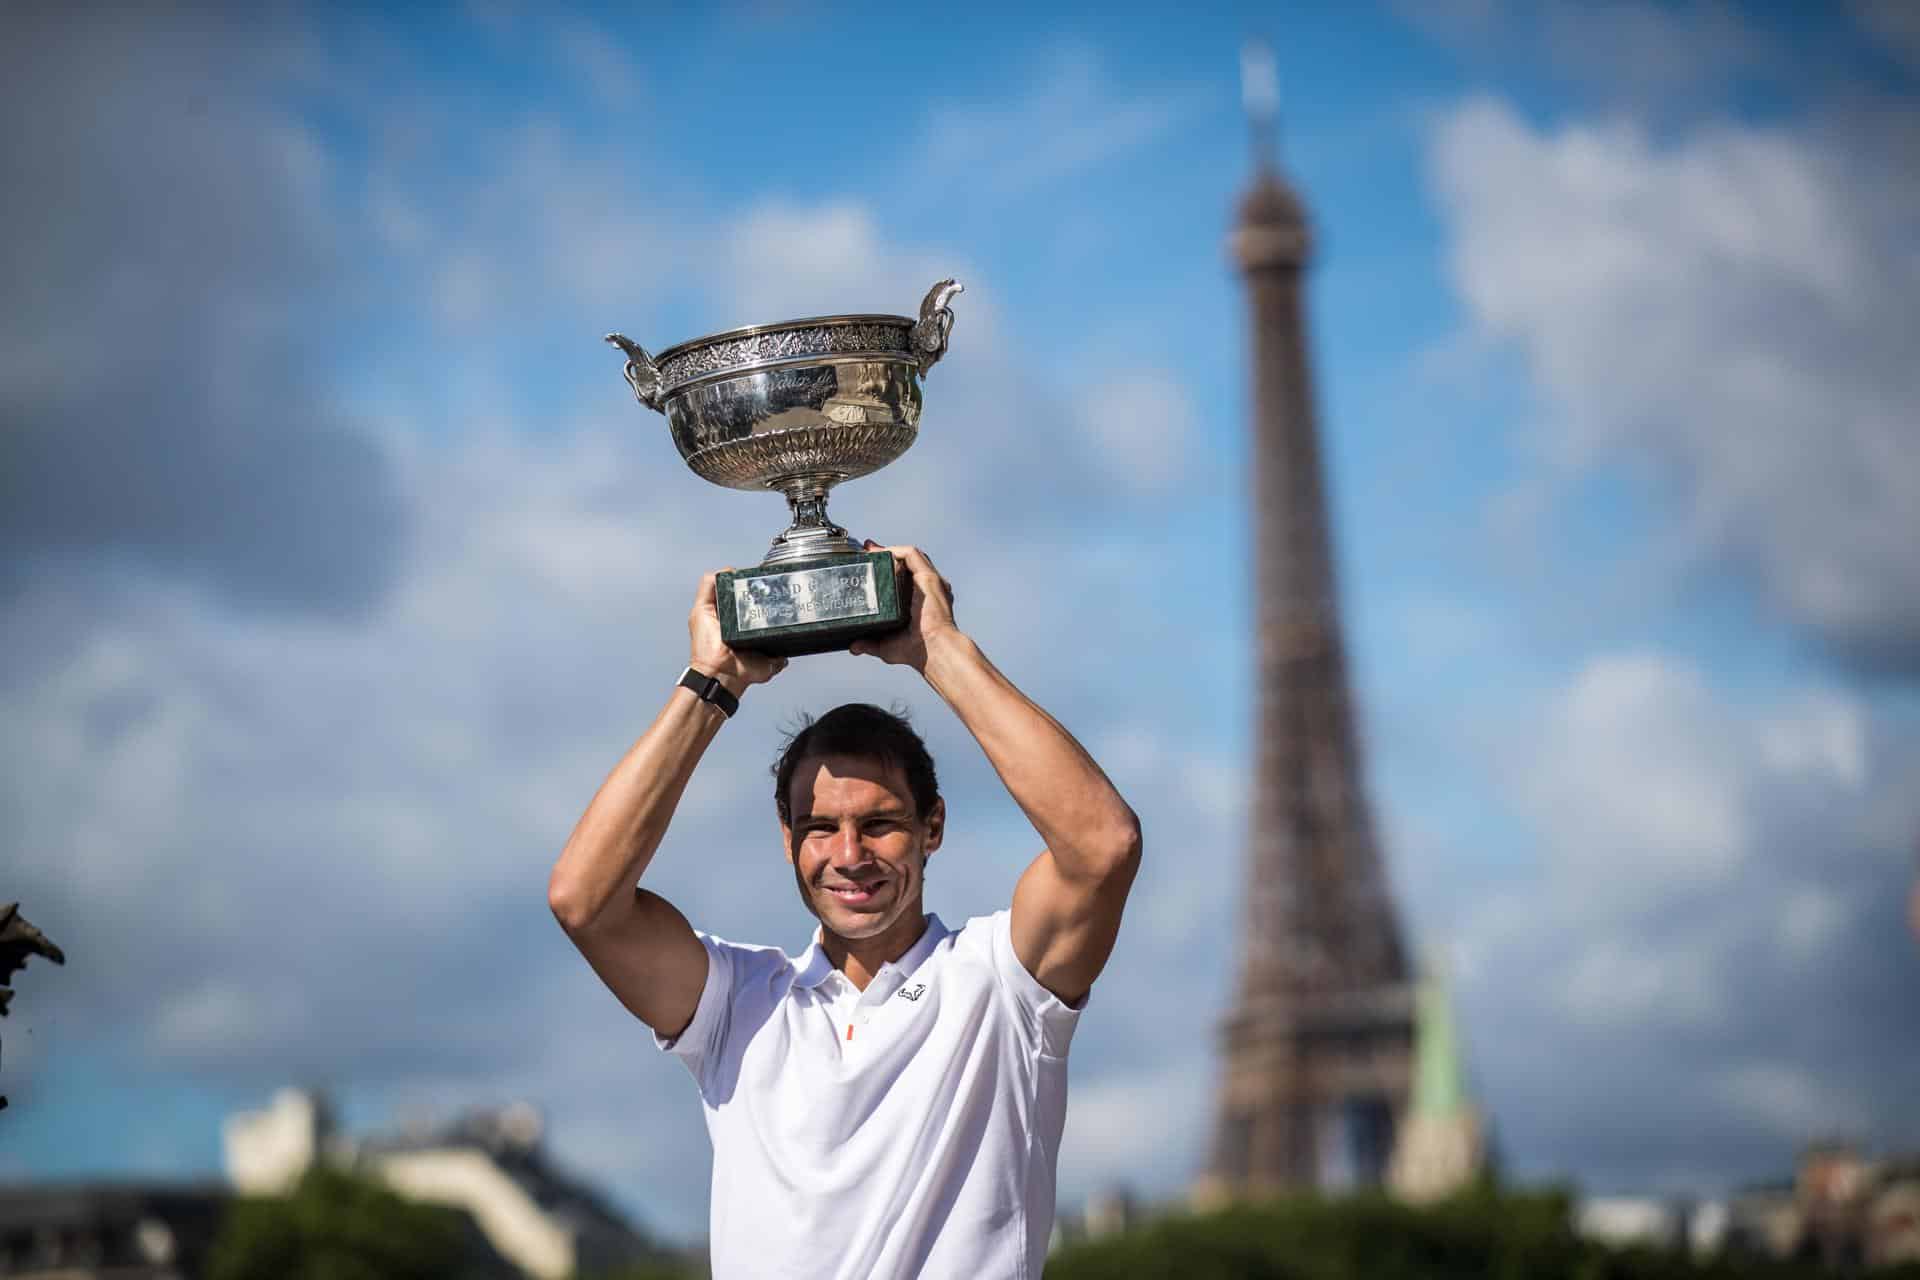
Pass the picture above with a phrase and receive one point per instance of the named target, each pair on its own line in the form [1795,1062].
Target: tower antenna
[1260,94]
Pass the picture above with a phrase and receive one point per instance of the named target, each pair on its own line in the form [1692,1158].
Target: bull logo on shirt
[913,992]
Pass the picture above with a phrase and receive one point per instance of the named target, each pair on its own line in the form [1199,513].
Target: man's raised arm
[1067,906]
[637,941]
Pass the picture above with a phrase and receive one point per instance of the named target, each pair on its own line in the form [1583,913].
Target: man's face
[859,851]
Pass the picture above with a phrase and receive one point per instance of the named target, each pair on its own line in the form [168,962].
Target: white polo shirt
[908,1130]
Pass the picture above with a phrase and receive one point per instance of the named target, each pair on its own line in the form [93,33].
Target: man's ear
[786,840]
[936,823]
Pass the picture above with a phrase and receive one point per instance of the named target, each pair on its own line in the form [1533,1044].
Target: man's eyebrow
[894,811]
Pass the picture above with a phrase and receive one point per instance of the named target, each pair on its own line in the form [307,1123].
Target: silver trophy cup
[798,407]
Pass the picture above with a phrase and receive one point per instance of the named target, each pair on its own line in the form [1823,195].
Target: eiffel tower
[1317,1049]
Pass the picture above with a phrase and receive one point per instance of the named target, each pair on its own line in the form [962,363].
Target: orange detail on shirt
[849,1031]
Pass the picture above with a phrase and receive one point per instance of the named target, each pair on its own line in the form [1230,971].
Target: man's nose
[848,850]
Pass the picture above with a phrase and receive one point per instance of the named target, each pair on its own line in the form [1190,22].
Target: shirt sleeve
[1048,1020]
[703,1044]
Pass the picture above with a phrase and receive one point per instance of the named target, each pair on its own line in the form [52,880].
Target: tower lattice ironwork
[1317,1048]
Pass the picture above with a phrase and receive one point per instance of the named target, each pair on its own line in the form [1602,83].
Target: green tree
[1480,1235]
[336,1226]
[666,1269]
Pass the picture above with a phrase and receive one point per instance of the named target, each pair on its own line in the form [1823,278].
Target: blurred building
[1913,900]
[1851,1210]
[1841,1211]
[1893,1220]
[1318,1046]
[1760,1222]
[1830,1191]
[1108,1212]
[1442,1145]
[267,1150]
[126,1231]
[1646,1222]
[488,1162]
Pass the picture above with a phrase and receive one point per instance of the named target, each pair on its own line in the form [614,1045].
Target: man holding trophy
[889,1102]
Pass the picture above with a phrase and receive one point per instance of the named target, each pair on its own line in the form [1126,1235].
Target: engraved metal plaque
[825,594]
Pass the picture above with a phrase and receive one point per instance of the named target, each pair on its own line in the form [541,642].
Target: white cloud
[223,1012]
[1810,919]
[1646,787]
[1068,118]
[1820,733]
[1650,55]
[1636,748]
[1717,318]
[600,59]
[782,259]
[1703,312]
[226,265]
[1125,1128]
[1701,942]
[1620,982]
[1140,427]
[1794,1103]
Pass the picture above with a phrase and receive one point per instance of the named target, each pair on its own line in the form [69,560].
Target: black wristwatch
[709,689]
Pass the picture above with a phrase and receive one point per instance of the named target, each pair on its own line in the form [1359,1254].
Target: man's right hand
[639,944]
[708,653]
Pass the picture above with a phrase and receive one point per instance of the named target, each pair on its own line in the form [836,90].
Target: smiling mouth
[855,895]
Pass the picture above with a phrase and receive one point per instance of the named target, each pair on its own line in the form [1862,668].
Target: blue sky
[339,564]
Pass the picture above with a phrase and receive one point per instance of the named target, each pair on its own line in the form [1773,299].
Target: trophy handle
[929,335]
[643,375]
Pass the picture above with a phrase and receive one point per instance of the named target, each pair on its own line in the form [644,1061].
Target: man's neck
[861,958]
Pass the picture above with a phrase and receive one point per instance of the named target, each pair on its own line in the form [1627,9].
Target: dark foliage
[1478,1237]
[686,1269]
[335,1226]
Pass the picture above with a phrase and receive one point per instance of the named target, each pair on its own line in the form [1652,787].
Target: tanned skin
[857,845]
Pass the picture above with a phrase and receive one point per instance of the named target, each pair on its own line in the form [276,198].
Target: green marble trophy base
[811,606]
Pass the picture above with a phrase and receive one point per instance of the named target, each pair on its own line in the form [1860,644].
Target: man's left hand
[929,616]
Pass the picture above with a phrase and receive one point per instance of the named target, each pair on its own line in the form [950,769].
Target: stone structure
[267,1150]
[489,1163]
[1841,1211]
[1627,1222]
[1853,1210]
[121,1231]
[1442,1146]
[1913,898]
[1318,1046]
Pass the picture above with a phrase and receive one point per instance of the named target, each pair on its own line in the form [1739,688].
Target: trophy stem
[812,533]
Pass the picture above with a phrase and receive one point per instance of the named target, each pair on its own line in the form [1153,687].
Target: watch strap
[709,690]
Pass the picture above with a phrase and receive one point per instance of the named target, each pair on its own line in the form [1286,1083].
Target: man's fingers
[919,566]
[705,595]
[905,552]
[918,563]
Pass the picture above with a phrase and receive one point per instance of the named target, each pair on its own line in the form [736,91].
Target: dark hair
[863,730]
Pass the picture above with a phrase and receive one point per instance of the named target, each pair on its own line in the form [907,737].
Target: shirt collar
[813,966]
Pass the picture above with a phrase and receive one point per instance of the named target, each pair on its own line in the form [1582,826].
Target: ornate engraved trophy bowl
[764,408]
[799,407]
